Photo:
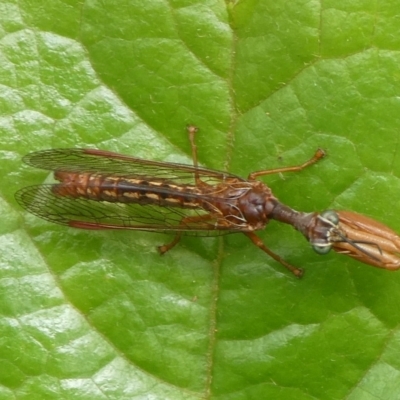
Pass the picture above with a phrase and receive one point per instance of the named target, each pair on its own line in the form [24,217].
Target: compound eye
[331,216]
[322,249]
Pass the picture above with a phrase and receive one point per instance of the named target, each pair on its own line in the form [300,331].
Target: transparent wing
[108,163]
[89,214]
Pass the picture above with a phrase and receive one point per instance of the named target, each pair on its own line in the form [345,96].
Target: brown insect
[104,190]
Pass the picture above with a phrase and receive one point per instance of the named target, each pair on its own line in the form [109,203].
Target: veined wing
[119,165]
[90,214]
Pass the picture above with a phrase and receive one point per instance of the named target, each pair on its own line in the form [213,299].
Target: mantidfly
[104,190]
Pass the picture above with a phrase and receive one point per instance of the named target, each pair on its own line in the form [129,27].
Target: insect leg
[192,130]
[258,242]
[184,225]
[316,157]
[166,247]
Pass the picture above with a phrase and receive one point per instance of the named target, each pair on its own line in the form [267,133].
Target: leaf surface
[101,315]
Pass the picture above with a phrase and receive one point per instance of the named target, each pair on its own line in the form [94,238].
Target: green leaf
[100,315]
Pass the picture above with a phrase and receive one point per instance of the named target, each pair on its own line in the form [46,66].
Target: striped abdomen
[126,190]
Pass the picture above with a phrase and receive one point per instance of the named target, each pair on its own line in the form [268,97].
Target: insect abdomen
[98,187]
